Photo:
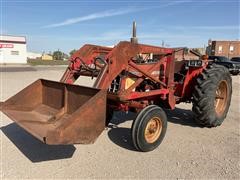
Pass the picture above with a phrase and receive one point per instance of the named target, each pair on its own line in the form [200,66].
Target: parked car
[234,67]
[236,59]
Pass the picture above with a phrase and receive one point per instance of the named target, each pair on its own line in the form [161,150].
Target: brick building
[224,48]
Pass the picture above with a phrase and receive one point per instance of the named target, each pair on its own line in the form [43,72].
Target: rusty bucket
[59,113]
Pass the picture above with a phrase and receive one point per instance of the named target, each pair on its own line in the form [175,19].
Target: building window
[231,49]
[220,48]
[14,52]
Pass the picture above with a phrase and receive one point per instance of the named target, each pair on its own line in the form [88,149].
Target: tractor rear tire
[149,128]
[212,96]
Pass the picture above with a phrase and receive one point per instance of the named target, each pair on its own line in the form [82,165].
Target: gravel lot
[188,151]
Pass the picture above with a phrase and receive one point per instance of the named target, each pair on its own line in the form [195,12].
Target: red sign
[6,46]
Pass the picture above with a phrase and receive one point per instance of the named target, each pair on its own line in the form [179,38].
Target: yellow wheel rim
[153,130]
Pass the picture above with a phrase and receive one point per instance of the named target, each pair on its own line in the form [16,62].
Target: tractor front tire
[212,96]
[149,128]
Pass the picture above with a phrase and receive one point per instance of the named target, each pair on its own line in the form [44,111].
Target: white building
[33,55]
[13,49]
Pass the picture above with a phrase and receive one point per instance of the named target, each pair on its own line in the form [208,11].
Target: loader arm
[120,61]
[83,58]
[116,60]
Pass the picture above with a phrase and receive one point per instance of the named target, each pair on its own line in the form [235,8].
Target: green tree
[58,55]
[72,52]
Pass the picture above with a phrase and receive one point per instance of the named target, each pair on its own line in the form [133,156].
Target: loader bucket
[59,113]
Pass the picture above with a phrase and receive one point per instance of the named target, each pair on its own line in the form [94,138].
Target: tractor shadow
[182,116]
[33,149]
[121,136]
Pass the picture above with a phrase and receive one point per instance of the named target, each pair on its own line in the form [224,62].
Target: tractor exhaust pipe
[134,38]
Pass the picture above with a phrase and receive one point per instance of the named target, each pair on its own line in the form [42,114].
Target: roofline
[12,35]
[16,42]
[226,40]
[3,40]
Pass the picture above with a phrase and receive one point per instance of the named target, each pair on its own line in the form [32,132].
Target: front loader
[128,77]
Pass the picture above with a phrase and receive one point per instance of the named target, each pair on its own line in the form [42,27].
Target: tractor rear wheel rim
[221,97]
[153,130]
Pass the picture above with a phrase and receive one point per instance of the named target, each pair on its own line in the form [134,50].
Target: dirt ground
[188,151]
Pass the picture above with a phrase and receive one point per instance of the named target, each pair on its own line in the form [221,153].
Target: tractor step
[59,113]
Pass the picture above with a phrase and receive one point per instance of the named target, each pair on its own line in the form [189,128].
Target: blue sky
[66,25]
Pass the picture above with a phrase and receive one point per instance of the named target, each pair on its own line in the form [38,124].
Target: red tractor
[129,77]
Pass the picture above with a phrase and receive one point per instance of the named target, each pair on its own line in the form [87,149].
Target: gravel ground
[188,151]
